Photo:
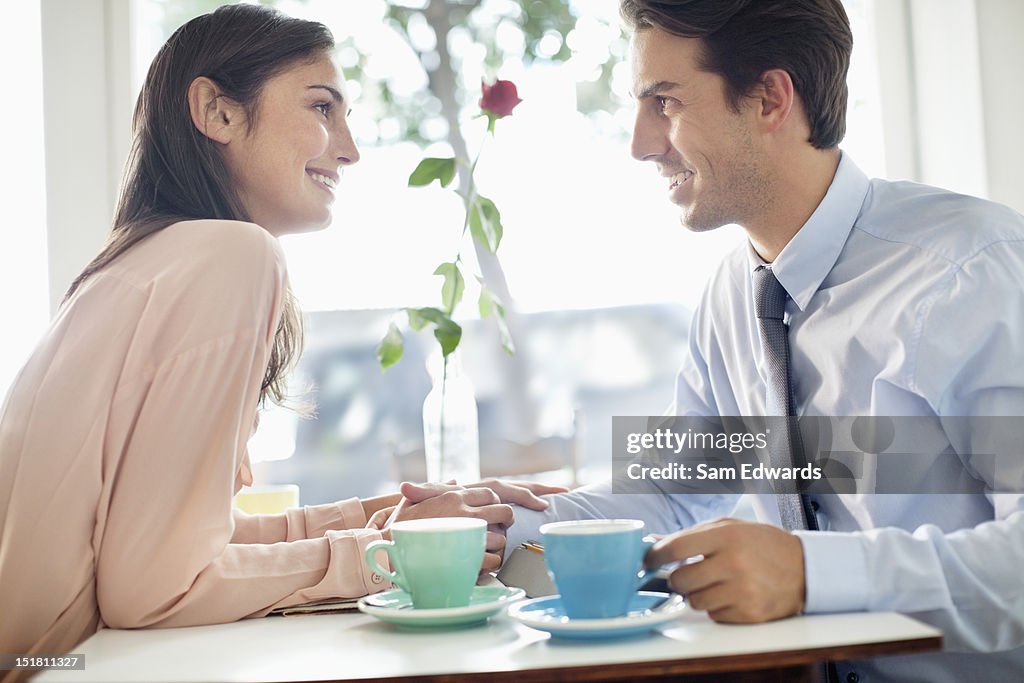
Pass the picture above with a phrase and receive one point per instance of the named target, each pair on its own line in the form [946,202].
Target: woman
[123,438]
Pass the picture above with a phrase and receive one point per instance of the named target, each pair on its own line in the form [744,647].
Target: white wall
[951,97]
[1001,45]
[86,92]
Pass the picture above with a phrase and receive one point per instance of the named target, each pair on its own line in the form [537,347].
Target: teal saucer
[395,607]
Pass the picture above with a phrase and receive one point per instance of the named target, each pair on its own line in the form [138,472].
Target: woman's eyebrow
[338,97]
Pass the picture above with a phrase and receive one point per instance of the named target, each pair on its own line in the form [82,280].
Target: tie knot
[769,295]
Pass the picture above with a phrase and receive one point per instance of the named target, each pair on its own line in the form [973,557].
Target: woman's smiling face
[286,167]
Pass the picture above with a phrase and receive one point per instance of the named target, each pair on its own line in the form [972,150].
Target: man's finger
[417,493]
[713,599]
[540,489]
[681,546]
[511,492]
[696,576]
[480,496]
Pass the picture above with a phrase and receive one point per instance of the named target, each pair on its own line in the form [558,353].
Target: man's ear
[213,114]
[777,96]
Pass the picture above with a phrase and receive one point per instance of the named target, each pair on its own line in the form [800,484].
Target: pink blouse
[123,440]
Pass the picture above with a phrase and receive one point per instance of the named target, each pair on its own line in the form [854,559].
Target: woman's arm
[309,521]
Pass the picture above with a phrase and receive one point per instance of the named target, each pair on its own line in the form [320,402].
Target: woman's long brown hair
[175,172]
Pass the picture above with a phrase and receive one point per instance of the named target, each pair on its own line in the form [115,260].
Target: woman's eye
[323,107]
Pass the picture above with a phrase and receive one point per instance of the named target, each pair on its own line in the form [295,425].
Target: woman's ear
[214,114]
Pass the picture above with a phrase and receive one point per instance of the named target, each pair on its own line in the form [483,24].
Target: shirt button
[852,677]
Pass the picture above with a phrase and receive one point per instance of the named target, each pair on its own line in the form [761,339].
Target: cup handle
[372,548]
[645,573]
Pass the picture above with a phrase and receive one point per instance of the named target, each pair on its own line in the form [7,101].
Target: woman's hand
[421,501]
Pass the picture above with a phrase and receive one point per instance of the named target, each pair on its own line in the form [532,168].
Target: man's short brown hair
[742,39]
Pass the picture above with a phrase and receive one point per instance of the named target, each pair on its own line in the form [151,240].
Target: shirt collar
[807,259]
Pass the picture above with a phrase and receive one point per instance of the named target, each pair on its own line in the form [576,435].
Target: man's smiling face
[706,150]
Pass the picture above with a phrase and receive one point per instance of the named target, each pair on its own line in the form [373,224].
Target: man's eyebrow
[335,93]
[656,88]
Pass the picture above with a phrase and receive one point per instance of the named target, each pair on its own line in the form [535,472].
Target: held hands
[489,500]
[749,573]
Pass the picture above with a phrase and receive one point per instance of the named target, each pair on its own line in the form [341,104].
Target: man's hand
[524,493]
[749,572]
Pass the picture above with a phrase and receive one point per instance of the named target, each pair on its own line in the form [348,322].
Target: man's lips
[678,179]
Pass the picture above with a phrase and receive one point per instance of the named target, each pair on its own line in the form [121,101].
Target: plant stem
[444,402]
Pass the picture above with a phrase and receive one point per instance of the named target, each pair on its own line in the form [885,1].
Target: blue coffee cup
[597,565]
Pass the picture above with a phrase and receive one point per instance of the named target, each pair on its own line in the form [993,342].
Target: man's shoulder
[931,219]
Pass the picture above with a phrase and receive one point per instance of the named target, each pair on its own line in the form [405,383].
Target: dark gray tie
[785,449]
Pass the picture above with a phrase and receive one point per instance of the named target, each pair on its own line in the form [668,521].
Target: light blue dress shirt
[905,300]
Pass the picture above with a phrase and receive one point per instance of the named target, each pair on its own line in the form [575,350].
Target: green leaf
[449,334]
[490,304]
[446,330]
[390,349]
[485,223]
[421,317]
[453,287]
[486,302]
[431,169]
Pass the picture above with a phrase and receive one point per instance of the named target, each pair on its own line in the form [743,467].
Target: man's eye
[662,101]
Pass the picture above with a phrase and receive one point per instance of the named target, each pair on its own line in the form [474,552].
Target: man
[901,300]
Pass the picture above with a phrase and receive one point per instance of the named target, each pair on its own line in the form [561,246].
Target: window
[600,269]
[23,284]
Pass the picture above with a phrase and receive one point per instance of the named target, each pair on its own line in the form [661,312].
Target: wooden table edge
[718,664]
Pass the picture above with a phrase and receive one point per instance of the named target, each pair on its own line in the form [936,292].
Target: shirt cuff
[525,527]
[314,521]
[835,571]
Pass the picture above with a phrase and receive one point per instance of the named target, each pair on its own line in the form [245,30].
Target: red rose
[499,99]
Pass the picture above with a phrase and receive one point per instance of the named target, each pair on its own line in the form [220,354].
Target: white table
[356,646]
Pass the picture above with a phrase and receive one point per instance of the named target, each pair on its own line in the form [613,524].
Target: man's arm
[661,514]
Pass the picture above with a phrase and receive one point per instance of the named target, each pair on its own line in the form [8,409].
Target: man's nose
[649,140]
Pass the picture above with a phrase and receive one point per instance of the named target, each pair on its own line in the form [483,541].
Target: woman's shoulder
[198,251]
[215,238]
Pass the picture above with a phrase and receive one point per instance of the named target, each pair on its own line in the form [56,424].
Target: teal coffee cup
[436,561]
[597,565]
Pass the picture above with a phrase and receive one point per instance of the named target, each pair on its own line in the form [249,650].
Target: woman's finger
[492,563]
[495,542]
[494,514]
[380,518]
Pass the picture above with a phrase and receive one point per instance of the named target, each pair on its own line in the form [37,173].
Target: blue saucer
[647,610]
